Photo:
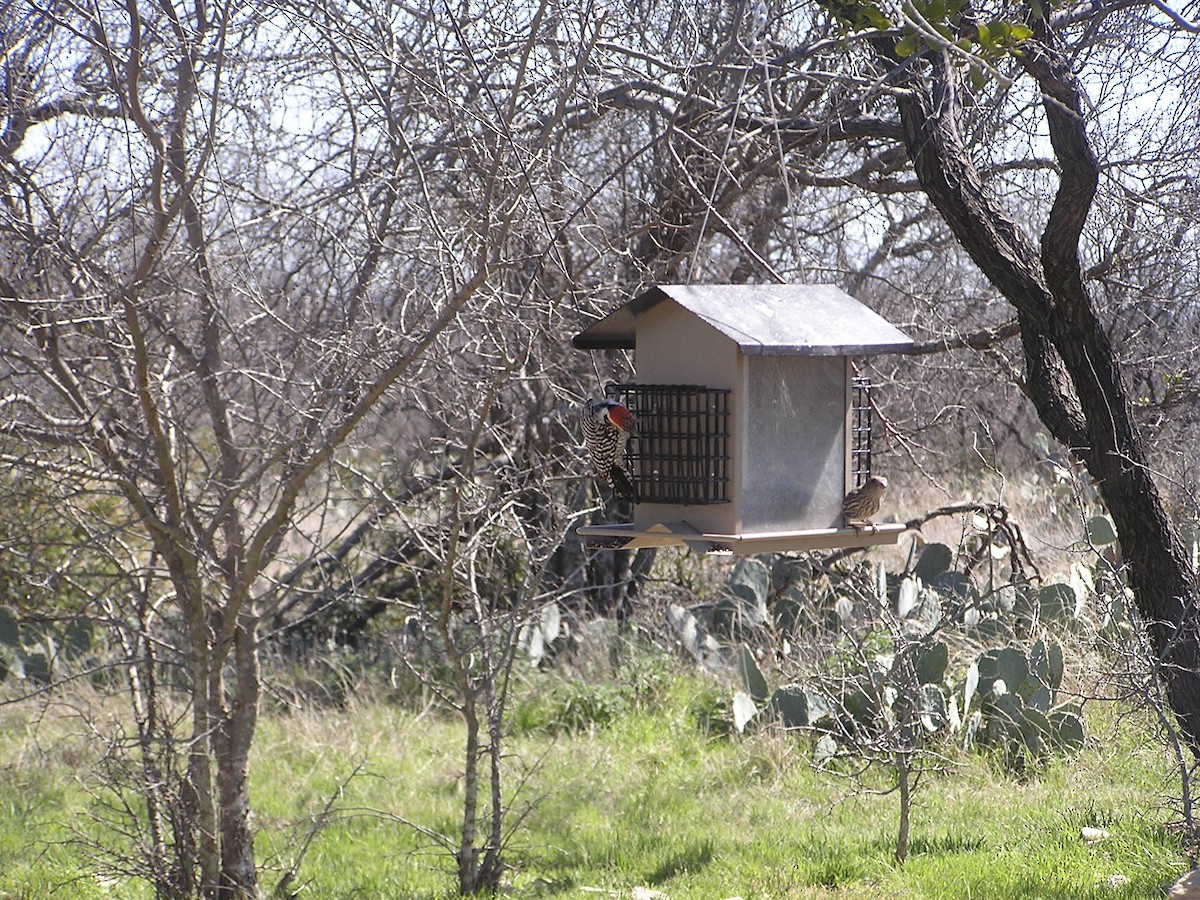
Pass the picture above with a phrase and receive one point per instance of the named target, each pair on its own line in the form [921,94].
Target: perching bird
[607,425]
[864,501]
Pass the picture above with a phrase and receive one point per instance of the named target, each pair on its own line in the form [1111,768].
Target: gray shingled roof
[787,320]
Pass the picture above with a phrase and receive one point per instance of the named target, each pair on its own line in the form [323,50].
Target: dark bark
[239,877]
[1072,372]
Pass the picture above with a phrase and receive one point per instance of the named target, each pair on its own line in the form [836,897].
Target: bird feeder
[751,425]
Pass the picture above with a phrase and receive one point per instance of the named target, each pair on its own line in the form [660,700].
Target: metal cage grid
[680,451]
[861,422]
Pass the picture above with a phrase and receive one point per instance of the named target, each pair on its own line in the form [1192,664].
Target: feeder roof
[784,320]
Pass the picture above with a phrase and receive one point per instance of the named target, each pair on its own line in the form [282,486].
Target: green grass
[42,806]
[647,801]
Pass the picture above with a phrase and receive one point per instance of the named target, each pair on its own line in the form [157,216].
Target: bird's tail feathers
[620,483]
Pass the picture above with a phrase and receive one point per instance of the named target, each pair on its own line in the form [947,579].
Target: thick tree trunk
[1073,375]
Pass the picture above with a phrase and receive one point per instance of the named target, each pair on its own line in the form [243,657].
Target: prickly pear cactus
[1015,693]
[39,651]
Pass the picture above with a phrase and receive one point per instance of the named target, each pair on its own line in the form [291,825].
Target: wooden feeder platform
[682,534]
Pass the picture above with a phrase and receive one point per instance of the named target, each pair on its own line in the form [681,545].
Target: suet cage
[680,451]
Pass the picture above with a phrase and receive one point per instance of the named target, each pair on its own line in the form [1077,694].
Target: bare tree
[224,247]
[238,239]
[901,109]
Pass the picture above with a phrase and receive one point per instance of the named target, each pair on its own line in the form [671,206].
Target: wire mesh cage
[680,451]
[861,427]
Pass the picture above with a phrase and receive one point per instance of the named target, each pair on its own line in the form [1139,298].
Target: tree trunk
[903,763]
[197,824]
[239,877]
[1073,375]
[468,853]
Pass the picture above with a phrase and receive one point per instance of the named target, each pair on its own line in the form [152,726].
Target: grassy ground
[648,801]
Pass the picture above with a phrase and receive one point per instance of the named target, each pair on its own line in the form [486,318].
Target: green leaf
[798,706]
[1039,699]
[750,581]
[820,706]
[77,640]
[999,29]
[1013,667]
[1036,730]
[952,583]
[1100,531]
[1005,718]
[32,632]
[935,559]
[790,703]
[37,668]
[927,615]
[825,750]
[733,615]
[786,611]
[752,676]
[970,686]
[907,596]
[931,668]
[874,17]
[1067,730]
[1046,664]
[743,710]
[1056,603]
[531,641]
[1007,665]
[984,34]
[1039,663]
[9,631]
[858,701]
[907,46]
[1056,666]
[746,606]
[789,572]
[934,709]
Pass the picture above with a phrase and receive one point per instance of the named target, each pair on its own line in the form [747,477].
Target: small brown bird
[863,502]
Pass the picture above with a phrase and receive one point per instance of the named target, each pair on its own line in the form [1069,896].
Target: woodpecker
[863,502]
[607,425]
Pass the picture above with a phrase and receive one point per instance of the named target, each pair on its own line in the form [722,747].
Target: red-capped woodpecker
[607,425]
